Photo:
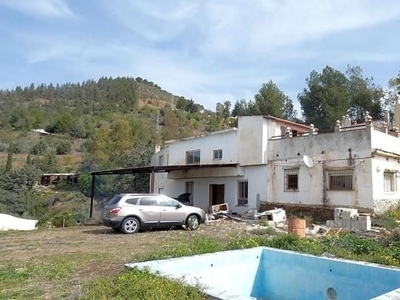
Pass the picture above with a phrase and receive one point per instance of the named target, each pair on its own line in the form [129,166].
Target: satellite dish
[308,161]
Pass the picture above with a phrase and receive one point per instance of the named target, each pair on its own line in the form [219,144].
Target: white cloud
[263,26]
[40,8]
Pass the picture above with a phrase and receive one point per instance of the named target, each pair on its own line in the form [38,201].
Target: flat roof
[160,169]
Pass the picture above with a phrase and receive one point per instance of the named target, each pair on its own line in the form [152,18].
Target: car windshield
[115,199]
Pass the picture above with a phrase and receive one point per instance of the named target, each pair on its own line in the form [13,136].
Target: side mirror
[178,205]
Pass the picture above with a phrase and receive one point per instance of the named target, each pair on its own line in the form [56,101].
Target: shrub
[63,147]
[40,147]
[3,147]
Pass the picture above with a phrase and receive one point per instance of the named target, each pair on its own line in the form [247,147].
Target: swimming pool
[267,273]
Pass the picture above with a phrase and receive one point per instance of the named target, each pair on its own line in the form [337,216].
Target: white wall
[206,144]
[328,151]
[252,139]
[382,141]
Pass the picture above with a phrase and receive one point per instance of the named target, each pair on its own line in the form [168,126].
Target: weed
[141,284]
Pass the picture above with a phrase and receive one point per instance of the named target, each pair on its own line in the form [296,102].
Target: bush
[63,147]
[18,146]
[40,147]
[3,147]
[64,219]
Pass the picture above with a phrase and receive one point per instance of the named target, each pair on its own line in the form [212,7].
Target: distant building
[49,179]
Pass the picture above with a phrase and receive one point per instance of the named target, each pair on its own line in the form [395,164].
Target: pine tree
[9,158]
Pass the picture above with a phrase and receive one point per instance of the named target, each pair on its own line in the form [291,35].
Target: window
[217,154]
[389,181]
[115,200]
[132,201]
[193,157]
[243,189]
[291,180]
[165,201]
[148,201]
[161,160]
[341,180]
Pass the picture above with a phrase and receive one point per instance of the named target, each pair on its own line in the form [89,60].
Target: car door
[171,211]
[149,211]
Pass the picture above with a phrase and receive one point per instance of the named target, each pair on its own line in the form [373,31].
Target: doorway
[216,194]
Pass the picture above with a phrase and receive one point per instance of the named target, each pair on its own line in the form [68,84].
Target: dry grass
[55,263]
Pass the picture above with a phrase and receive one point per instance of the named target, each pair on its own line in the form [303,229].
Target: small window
[341,180]
[148,201]
[161,160]
[217,154]
[243,188]
[193,157]
[132,201]
[291,180]
[389,180]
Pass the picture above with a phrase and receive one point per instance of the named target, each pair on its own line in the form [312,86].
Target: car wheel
[116,229]
[130,225]
[192,222]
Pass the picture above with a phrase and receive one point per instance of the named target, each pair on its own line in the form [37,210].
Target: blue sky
[208,50]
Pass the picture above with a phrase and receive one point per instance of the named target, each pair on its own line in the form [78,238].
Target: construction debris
[349,218]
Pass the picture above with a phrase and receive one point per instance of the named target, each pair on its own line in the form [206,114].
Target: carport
[150,170]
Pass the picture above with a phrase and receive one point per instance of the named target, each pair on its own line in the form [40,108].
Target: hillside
[74,111]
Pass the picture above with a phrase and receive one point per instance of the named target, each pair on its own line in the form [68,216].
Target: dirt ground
[91,250]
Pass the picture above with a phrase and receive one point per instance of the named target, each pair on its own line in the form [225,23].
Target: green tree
[120,140]
[270,100]
[40,147]
[240,108]
[325,99]
[9,158]
[49,162]
[363,95]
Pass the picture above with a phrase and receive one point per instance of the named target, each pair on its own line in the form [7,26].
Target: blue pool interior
[266,273]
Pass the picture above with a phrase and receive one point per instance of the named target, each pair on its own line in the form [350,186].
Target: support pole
[92,197]
[152,182]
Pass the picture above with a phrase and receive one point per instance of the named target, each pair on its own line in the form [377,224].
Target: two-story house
[278,161]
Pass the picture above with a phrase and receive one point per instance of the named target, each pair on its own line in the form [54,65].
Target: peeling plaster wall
[328,151]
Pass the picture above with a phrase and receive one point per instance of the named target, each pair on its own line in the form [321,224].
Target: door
[216,194]
[172,212]
[149,211]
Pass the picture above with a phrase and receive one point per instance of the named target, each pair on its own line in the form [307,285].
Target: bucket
[297,227]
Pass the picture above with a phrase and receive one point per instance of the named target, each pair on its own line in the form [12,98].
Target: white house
[277,161]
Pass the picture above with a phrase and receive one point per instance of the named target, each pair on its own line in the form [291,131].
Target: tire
[130,225]
[192,222]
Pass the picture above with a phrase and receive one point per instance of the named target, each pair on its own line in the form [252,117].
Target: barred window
[389,181]
[291,180]
[341,180]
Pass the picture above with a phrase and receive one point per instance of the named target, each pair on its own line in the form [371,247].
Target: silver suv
[130,212]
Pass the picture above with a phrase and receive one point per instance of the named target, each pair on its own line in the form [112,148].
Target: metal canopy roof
[159,169]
